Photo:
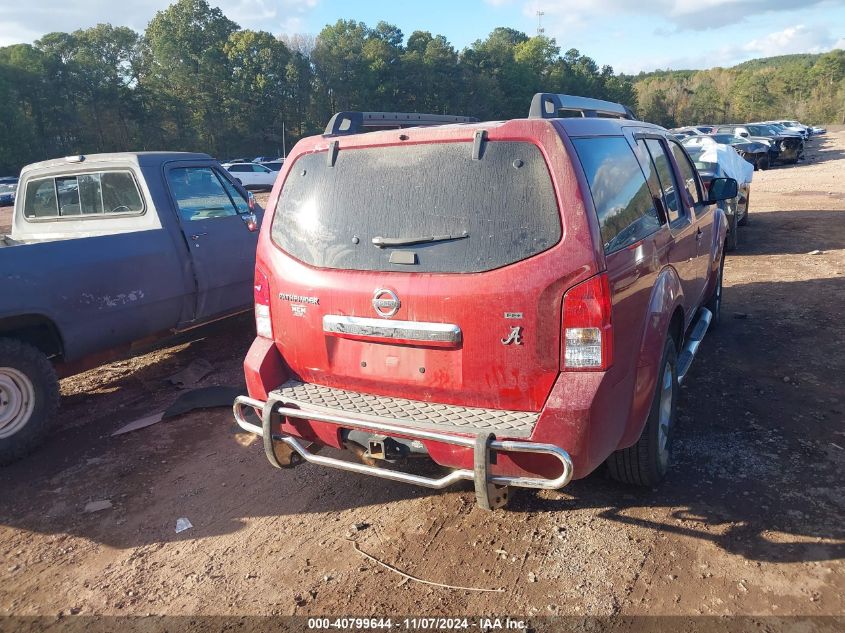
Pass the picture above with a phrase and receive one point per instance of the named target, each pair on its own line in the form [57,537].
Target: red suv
[515,300]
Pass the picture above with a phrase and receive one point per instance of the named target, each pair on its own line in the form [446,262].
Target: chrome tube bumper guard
[490,490]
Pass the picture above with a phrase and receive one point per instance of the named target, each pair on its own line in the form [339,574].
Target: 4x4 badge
[514,337]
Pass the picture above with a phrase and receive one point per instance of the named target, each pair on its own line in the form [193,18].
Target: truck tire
[714,303]
[29,398]
[744,220]
[732,238]
[646,462]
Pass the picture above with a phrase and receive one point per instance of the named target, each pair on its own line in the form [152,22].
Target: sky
[630,35]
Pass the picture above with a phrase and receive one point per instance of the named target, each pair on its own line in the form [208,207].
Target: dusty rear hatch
[426,271]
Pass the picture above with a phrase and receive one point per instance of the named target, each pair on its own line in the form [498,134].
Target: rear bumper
[484,447]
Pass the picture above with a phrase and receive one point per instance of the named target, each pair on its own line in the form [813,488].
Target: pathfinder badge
[514,337]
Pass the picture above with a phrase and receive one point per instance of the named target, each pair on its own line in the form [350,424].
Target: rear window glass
[621,196]
[98,193]
[486,213]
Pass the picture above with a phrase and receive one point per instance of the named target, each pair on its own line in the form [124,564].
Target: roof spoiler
[547,105]
[356,122]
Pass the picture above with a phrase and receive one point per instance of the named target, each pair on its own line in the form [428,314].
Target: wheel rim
[667,388]
[17,400]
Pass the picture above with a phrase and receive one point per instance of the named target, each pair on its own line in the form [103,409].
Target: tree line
[194,80]
[810,88]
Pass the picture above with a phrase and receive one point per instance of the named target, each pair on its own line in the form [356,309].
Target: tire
[732,238]
[714,303]
[29,398]
[646,462]
[744,219]
[763,164]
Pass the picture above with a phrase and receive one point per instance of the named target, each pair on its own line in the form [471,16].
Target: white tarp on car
[731,163]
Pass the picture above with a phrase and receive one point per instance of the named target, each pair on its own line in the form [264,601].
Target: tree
[187,65]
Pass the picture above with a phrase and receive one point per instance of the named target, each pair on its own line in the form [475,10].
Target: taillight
[587,330]
[263,323]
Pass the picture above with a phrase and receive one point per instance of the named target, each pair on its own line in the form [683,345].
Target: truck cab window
[199,194]
[72,196]
[236,196]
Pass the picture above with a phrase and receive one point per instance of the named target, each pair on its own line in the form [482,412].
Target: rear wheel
[763,163]
[744,219]
[29,397]
[646,462]
[732,238]
[714,304]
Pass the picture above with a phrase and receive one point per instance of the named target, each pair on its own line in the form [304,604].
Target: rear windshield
[483,213]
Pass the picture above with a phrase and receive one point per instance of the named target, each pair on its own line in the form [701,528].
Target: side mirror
[744,134]
[722,189]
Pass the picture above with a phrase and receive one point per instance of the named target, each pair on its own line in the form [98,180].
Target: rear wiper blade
[384,242]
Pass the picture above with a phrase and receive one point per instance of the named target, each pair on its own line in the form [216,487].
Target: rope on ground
[414,578]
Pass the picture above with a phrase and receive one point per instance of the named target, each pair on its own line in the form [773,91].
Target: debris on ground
[202,398]
[183,524]
[414,578]
[97,506]
[192,374]
[140,423]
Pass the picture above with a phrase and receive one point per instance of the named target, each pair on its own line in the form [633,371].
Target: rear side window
[687,171]
[98,193]
[483,214]
[621,196]
[666,177]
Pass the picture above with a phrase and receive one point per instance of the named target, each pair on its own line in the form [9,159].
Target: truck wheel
[29,398]
[744,219]
[732,238]
[714,304]
[646,462]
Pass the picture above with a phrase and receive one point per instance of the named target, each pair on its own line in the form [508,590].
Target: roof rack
[547,105]
[357,122]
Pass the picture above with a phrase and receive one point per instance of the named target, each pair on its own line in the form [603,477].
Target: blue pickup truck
[105,251]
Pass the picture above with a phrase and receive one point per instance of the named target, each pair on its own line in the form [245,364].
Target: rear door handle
[196,236]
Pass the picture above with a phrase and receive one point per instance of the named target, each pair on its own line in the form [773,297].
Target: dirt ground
[750,521]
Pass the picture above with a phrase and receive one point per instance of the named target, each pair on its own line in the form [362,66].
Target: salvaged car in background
[716,160]
[783,148]
[252,175]
[107,250]
[517,301]
[755,153]
[8,190]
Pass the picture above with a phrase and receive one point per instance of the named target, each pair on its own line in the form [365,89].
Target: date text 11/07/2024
[432,623]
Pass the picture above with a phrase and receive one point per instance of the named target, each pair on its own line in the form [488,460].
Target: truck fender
[666,301]
[36,328]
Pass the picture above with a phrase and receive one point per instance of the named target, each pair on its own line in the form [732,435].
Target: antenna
[540,29]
